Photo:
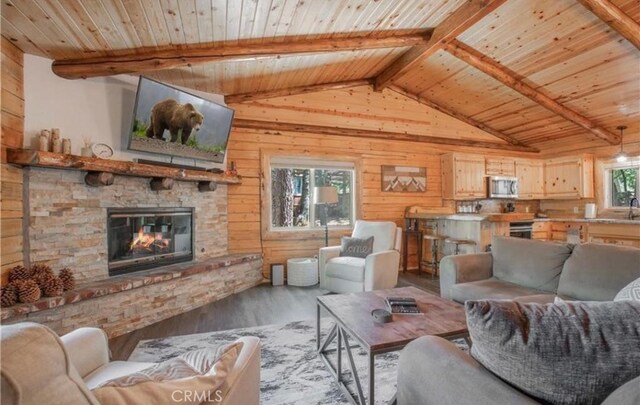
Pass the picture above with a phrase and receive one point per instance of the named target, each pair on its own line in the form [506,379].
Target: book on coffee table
[402,305]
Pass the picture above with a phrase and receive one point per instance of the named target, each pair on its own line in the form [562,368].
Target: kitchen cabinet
[463,176]
[499,166]
[530,174]
[569,177]
[541,230]
[617,234]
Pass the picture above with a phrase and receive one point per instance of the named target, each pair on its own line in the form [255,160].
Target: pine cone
[53,287]
[28,291]
[43,279]
[9,296]
[19,273]
[40,270]
[68,279]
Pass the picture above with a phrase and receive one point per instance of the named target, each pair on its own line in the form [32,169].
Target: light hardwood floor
[261,305]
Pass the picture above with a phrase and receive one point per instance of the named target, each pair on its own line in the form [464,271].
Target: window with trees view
[623,185]
[292,191]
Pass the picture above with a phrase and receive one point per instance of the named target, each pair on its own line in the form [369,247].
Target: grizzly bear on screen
[180,119]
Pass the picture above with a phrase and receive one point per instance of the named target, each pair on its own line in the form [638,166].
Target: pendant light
[621,156]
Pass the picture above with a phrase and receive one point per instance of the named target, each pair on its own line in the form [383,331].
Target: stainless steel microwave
[502,187]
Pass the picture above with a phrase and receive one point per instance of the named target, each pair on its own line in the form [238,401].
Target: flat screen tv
[172,122]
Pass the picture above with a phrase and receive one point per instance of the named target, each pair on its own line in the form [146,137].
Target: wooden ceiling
[544,74]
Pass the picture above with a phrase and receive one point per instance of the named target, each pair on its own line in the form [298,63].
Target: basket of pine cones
[27,285]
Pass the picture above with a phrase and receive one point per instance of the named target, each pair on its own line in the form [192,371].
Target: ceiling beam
[460,117]
[292,91]
[455,24]
[138,61]
[615,18]
[514,81]
[364,133]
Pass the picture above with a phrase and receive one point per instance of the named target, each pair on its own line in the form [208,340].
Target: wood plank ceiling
[557,48]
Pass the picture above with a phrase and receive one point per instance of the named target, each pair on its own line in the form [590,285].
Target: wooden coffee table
[352,316]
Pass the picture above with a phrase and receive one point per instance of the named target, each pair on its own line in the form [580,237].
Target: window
[292,187]
[621,184]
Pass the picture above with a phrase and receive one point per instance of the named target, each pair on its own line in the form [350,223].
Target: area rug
[291,371]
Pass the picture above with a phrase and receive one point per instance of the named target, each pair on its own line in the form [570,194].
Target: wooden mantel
[28,157]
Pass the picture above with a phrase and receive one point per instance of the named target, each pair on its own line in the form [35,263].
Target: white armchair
[379,270]
[84,355]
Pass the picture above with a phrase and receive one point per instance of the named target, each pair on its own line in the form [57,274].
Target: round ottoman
[302,271]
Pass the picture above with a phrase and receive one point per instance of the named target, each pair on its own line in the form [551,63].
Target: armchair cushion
[346,268]
[356,247]
[88,349]
[384,234]
[570,352]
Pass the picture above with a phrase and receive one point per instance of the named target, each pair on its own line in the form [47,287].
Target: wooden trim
[27,157]
[460,117]
[265,195]
[455,24]
[292,91]
[363,133]
[138,60]
[514,81]
[615,18]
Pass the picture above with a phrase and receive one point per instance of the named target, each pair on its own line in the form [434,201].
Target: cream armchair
[69,367]
[379,270]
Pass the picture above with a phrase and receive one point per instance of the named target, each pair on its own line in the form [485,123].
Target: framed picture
[404,179]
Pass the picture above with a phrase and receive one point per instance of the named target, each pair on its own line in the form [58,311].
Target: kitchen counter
[517,217]
[592,221]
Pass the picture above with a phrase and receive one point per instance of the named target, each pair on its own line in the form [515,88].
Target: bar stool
[459,242]
[435,241]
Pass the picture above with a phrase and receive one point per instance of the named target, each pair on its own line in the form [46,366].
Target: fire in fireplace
[142,238]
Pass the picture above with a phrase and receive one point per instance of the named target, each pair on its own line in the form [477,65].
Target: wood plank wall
[11,253]
[348,108]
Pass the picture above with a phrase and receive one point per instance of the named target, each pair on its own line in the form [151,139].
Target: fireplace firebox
[142,238]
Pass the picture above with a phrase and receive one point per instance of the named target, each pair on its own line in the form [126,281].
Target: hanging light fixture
[621,156]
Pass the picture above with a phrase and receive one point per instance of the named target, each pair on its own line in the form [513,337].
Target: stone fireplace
[143,238]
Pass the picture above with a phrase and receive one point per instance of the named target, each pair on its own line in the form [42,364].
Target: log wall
[11,249]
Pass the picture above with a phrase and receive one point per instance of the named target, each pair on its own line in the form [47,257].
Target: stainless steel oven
[502,187]
[521,229]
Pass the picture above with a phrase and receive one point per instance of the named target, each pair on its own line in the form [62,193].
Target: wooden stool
[459,242]
[435,239]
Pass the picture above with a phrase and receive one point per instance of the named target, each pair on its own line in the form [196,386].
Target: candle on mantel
[56,143]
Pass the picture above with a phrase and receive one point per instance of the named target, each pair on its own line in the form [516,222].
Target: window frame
[268,232]
[607,182]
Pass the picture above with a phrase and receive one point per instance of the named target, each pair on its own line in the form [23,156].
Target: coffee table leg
[318,327]
[339,354]
[372,377]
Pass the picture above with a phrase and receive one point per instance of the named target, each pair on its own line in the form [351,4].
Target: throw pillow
[356,247]
[631,292]
[192,378]
[571,352]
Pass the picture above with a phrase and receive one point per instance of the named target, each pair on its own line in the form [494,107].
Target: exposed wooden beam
[364,133]
[455,24]
[515,81]
[461,117]
[291,91]
[138,61]
[615,18]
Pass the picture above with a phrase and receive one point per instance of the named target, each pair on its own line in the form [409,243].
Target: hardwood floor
[261,305]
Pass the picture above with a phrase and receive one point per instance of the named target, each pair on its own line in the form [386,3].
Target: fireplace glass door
[145,238]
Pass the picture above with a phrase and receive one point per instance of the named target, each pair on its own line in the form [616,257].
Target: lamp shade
[325,195]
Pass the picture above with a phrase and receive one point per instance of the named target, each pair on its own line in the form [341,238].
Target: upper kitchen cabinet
[499,166]
[530,174]
[463,176]
[569,177]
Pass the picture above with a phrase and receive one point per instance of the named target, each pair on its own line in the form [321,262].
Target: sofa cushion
[112,370]
[346,268]
[356,247]
[537,298]
[529,263]
[630,292]
[597,272]
[491,288]
[384,234]
[565,353]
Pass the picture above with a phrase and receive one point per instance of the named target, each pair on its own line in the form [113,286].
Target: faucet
[631,214]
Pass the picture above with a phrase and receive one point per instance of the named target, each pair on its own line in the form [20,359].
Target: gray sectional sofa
[535,271]
[434,371]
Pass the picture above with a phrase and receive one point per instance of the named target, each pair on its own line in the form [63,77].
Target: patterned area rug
[291,371]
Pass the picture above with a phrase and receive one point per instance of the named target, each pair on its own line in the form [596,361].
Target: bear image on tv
[180,119]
